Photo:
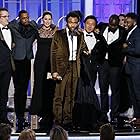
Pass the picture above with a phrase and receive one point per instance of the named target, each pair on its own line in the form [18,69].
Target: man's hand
[56,76]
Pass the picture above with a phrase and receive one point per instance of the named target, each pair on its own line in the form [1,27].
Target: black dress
[43,90]
[87,107]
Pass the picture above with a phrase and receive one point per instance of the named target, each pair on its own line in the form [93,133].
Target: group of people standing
[16,62]
[75,57]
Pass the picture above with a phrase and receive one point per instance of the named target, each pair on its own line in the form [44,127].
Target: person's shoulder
[34,24]
[121,28]
[136,31]
[102,24]
[138,28]
[14,23]
[60,31]
[16,20]
[123,31]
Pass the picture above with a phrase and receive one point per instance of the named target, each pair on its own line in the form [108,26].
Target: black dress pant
[134,86]
[125,101]
[5,76]
[21,79]
[109,75]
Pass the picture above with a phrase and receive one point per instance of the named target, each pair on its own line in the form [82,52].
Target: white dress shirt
[72,41]
[110,37]
[90,40]
[7,35]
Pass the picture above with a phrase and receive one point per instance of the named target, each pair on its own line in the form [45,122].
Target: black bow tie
[89,35]
[6,28]
[112,30]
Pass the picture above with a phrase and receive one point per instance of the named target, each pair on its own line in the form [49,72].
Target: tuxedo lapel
[131,35]
[97,37]
[120,36]
[65,44]
[1,36]
[3,40]
[78,41]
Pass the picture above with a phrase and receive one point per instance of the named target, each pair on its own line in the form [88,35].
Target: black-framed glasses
[5,16]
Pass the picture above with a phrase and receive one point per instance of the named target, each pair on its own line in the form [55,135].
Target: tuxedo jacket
[133,51]
[60,52]
[23,44]
[99,51]
[115,53]
[5,54]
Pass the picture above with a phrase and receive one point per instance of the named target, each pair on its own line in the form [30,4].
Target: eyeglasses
[5,16]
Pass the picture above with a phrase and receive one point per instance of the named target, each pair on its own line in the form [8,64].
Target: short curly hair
[72,14]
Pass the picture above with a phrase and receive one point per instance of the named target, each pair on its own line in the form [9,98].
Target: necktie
[89,35]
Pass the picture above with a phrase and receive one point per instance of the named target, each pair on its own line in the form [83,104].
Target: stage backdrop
[102,9]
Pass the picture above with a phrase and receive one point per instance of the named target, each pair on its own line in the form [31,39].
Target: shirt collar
[1,26]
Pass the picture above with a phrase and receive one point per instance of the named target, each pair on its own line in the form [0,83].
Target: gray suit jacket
[23,45]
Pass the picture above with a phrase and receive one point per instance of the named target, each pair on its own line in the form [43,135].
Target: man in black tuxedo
[86,99]
[96,44]
[5,63]
[24,32]
[132,67]
[111,69]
